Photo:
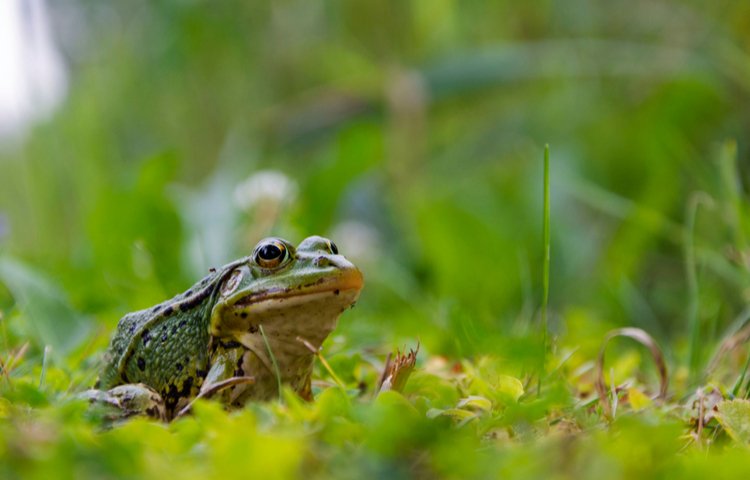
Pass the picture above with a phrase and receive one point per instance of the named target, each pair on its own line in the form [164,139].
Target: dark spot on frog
[188,293]
[243,314]
[186,387]
[141,364]
[194,301]
[164,337]
[168,311]
[182,323]
[146,336]
[178,366]
[253,329]
[212,270]
[170,396]
[156,309]
[336,292]
[316,282]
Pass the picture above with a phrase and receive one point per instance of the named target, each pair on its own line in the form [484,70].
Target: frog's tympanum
[239,333]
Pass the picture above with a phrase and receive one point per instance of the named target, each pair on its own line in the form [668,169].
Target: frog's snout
[335,261]
[347,277]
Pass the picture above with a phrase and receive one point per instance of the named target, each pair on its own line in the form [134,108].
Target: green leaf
[53,321]
[734,416]
[638,400]
[475,401]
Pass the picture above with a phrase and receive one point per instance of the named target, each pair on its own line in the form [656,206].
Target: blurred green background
[411,132]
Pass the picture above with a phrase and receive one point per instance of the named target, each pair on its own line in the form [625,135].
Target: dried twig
[213,389]
[397,371]
[645,339]
[324,362]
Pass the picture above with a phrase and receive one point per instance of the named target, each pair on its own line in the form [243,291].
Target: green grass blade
[694,327]
[277,372]
[545,268]
[45,362]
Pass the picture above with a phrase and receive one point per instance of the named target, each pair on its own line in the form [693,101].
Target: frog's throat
[252,343]
[310,312]
[311,317]
[293,327]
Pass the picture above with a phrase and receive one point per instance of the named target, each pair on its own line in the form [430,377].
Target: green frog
[239,333]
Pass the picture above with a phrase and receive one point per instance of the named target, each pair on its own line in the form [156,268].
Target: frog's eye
[270,255]
[333,248]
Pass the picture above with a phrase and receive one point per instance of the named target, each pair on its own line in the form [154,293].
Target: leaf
[455,413]
[638,400]
[436,390]
[510,386]
[475,401]
[734,416]
[487,381]
[53,320]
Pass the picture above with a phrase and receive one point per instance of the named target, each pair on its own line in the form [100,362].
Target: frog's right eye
[270,254]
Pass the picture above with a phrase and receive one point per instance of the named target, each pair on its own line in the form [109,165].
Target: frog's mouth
[348,280]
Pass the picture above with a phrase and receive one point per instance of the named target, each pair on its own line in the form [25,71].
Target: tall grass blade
[694,327]
[45,362]
[545,269]
[276,369]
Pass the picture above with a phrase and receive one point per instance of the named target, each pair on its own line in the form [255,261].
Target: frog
[241,333]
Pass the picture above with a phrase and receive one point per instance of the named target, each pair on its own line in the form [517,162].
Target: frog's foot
[209,389]
[127,400]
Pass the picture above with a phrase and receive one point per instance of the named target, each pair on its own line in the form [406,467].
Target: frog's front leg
[225,378]
[124,401]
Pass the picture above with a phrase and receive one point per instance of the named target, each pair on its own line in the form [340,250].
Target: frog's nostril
[322,261]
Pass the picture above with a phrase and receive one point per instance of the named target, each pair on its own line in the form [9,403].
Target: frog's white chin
[294,324]
[312,316]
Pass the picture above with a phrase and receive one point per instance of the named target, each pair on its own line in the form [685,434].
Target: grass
[477,407]
[407,133]
[275,364]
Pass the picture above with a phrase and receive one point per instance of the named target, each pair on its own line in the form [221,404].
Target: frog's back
[165,346]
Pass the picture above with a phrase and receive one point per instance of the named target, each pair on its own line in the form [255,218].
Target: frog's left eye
[333,248]
[270,255]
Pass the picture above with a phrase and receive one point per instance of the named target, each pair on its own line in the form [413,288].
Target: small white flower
[265,186]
